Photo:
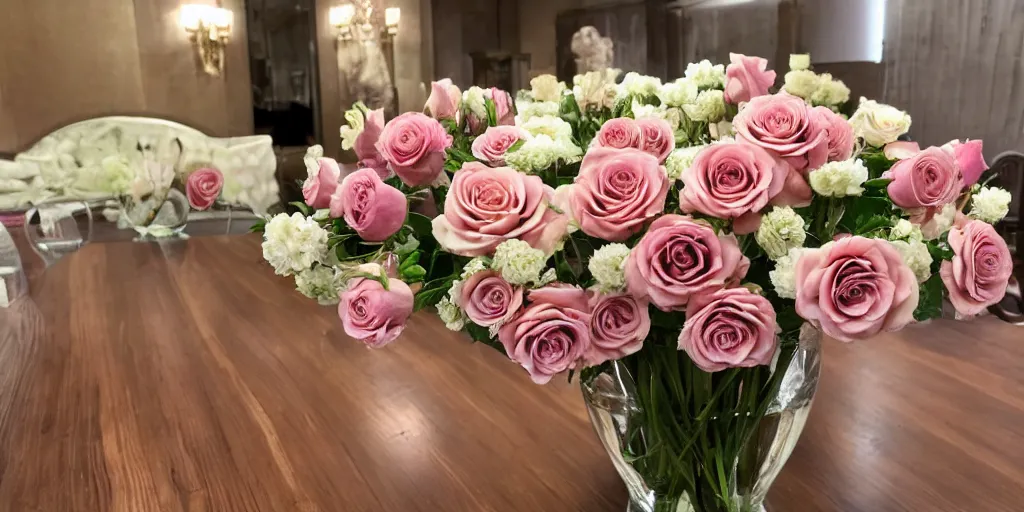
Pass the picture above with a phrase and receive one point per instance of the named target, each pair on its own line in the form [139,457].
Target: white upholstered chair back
[63,165]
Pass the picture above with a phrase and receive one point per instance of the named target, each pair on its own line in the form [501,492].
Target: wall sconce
[358,22]
[209,28]
[391,17]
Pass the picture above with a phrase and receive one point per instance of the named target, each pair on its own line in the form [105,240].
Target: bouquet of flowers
[676,235]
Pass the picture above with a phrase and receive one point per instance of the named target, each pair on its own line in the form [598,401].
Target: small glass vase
[684,440]
[160,215]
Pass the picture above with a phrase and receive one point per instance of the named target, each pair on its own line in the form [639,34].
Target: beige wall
[537,31]
[63,61]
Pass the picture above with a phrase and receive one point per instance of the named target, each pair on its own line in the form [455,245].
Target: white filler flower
[839,179]
[990,204]
[292,244]
[781,229]
[518,262]
[608,265]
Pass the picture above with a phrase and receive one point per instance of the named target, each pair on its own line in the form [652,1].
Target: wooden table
[188,376]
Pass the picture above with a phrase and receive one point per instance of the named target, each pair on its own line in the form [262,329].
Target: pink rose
[486,206]
[970,159]
[204,185]
[901,149]
[503,107]
[319,186]
[414,146]
[373,208]
[855,288]
[444,101]
[746,78]
[505,114]
[981,268]
[730,179]
[838,133]
[488,299]
[494,143]
[619,324]
[927,180]
[552,334]
[366,144]
[616,192]
[785,125]
[730,328]
[678,258]
[373,315]
[656,137]
[621,132]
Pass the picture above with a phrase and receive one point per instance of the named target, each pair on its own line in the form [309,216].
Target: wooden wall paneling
[237,81]
[331,107]
[713,32]
[657,39]
[67,61]
[958,68]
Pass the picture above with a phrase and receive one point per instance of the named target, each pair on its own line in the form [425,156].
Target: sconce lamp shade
[342,15]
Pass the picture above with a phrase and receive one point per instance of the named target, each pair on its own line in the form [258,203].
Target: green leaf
[407,247]
[871,224]
[259,226]
[877,163]
[302,207]
[421,225]
[412,259]
[877,183]
[492,112]
[432,292]
[930,303]
[515,147]
[412,274]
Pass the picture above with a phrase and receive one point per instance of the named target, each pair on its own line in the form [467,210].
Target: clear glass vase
[163,214]
[684,440]
[13,283]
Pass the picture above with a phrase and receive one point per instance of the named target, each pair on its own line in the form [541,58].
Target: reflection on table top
[186,376]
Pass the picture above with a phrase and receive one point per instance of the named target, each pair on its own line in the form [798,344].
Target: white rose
[518,262]
[541,152]
[530,109]
[990,204]
[680,160]
[801,82]
[839,179]
[904,229]
[608,266]
[638,85]
[475,100]
[830,92]
[915,254]
[678,93]
[320,283]
[781,229]
[783,276]
[705,75]
[354,124]
[292,244]
[595,89]
[879,124]
[547,88]
[710,106]
[799,61]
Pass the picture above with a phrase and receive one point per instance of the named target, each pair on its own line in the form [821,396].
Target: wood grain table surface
[188,377]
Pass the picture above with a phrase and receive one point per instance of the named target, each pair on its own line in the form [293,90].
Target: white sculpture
[593,51]
[66,164]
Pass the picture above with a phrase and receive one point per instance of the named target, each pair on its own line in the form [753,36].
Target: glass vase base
[681,507]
